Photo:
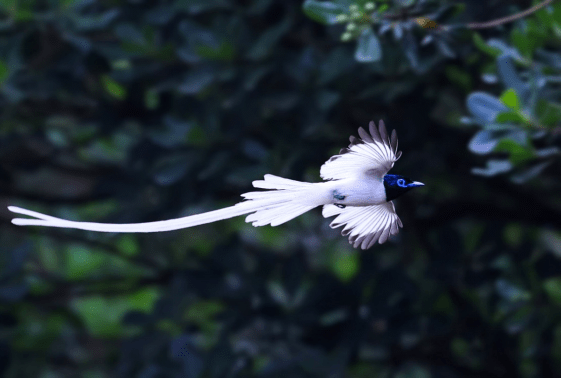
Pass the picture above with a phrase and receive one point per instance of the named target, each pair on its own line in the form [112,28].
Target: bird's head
[397,185]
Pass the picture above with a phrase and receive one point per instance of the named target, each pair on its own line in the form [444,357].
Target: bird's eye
[401,182]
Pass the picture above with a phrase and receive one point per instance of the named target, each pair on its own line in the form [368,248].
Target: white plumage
[354,192]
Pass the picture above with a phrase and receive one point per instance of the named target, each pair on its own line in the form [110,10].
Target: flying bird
[357,189]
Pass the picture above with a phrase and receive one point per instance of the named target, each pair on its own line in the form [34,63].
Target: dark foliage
[133,111]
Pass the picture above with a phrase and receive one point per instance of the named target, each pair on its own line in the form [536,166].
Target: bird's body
[358,191]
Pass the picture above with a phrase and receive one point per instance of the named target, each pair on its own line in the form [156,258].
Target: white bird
[357,190]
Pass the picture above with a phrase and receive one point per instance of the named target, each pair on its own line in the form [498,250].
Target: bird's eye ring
[401,182]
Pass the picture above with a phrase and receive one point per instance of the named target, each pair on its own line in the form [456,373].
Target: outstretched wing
[365,225]
[372,154]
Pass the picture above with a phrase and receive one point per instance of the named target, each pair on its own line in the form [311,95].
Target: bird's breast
[358,192]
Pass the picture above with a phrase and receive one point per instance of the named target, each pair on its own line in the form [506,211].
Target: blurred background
[128,111]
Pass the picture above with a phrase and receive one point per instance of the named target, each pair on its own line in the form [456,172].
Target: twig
[504,20]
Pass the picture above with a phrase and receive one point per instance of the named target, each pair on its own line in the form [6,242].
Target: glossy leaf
[368,47]
[484,107]
[483,142]
[494,167]
[509,77]
[325,12]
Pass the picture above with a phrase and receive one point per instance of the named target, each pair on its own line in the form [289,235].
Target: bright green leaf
[510,99]
[144,299]
[113,88]
[507,117]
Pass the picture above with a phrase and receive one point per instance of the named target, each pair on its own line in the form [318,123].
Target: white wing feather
[365,225]
[373,153]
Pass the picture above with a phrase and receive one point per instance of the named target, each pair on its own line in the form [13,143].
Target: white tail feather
[286,200]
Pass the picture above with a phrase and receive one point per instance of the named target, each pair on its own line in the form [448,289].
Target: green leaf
[368,47]
[345,265]
[113,88]
[4,72]
[102,316]
[151,99]
[513,234]
[128,245]
[517,153]
[510,99]
[80,261]
[482,45]
[523,42]
[325,12]
[484,107]
[203,314]
[506,117]
[35,330]
[552,287]
[511,292]
[459,77]
[225,51]
[548,113]
[144,299]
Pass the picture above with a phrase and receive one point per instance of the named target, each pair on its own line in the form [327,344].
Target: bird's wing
[365,225]
[371,154]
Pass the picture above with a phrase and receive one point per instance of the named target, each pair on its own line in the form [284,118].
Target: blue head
[397,185]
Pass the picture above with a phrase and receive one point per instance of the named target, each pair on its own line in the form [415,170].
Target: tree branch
[507,19]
